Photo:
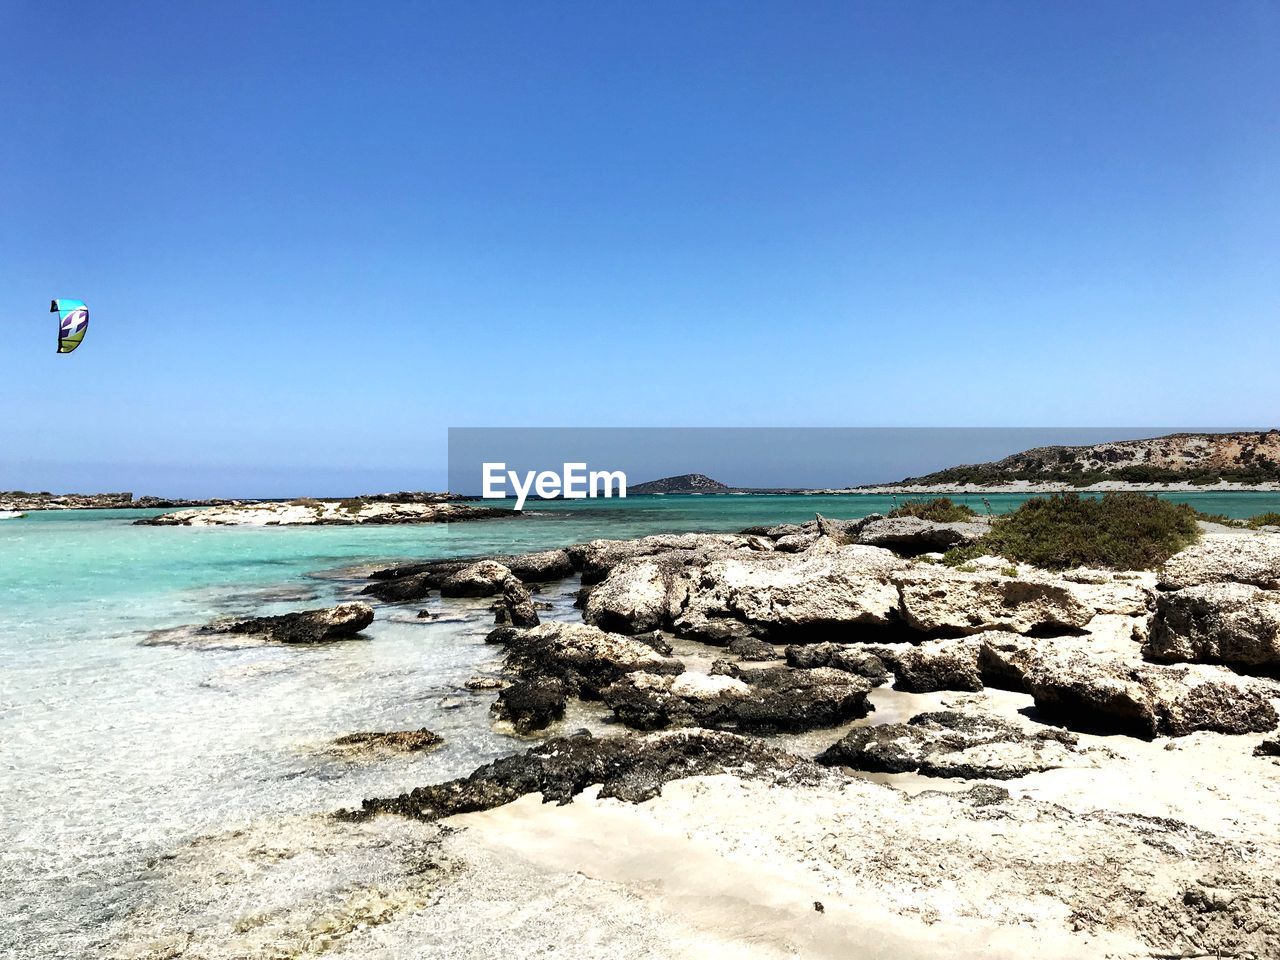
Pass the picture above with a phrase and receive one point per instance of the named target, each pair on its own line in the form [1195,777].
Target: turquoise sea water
[112,752]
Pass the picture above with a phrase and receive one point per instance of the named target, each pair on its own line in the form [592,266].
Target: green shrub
[1121,531]
[1264,520]
[939,509]
[352,504]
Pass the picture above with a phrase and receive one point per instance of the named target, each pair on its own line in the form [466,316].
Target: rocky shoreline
[1073,763]
[22,502]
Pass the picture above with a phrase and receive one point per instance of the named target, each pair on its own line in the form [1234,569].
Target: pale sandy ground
[905,866]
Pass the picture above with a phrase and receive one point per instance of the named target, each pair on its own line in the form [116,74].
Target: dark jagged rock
[1267,748]
[502,635]
[655,641]
[307,626]
[846,657]
[951,744]
[629,768]
[532,704]
[751,649]
[516,606]
[755,700]
[414,581]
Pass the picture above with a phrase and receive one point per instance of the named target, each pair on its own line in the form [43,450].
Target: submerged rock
[1228,623]
[948,743]
[750,700]
[629,767]
[375,743]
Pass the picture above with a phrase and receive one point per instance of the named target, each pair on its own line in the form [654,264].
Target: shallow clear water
[113,753]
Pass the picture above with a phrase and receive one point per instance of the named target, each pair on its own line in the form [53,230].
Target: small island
[685,483]
[375,509]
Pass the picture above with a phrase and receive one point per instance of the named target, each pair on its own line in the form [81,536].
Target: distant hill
[685,483]
[1200,458]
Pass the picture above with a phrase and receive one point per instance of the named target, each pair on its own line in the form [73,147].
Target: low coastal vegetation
[939,510]
[986,475]
[1118,531]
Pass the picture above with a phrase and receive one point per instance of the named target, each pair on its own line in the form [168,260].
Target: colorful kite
[73,321]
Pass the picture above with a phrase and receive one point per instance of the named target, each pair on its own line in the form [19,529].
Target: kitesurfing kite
[73,321]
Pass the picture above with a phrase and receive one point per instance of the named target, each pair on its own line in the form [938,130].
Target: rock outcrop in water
[375,744]
[415,581]
[328,624]
[533,704]
[344,513]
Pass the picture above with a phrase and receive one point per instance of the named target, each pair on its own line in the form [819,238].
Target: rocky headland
[1180,461]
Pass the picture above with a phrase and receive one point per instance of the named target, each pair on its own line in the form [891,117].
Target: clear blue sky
[314,235]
